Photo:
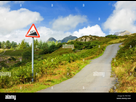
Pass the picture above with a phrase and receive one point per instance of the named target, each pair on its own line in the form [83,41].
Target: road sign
[32,32]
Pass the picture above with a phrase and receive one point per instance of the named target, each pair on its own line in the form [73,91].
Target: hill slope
[122,33]
[87,38]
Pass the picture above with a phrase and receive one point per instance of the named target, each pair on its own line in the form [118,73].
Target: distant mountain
[59,40]
[63,40]
[51,39]
[122,33]
[68,38]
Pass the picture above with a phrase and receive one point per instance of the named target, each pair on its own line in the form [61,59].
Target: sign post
[32,32]
[32,57]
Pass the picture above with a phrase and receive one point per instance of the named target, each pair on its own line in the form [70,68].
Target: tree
[112,36]
[44,48]
[35,43]
[8,44]
[78,45]
[23,44]
[39,44]
[0,45]
[11,48]
[52,48]
[18,46]
[44,51]
[56,43]
[27,55]
[59,45]
[27,44]
[14,44]
[50,43]
[44,45]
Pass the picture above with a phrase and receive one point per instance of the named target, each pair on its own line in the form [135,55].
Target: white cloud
[93,30]
[16,19]
[20,2]
[46,33]
[122,18]
[13,22]
[67,23]
[3,2]
[16,36]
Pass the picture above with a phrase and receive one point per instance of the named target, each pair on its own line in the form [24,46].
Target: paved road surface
[87,80]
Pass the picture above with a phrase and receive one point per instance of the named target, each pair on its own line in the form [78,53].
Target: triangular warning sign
[32,32]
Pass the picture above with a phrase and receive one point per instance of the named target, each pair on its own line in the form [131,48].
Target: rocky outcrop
[122,33]
[87,38]
[83,39]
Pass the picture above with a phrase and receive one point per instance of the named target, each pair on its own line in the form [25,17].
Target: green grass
[41,85]
[101,53]
[46,65]
[116,40]
[36,86]
[58,52]
[124,65]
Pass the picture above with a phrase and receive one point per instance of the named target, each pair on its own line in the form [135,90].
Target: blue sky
[59,19]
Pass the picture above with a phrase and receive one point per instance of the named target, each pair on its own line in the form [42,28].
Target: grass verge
[56,76]
[124,67]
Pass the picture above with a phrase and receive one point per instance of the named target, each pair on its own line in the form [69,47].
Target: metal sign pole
[32,32]
[32,56]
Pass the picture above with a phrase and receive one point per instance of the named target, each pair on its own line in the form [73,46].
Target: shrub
[23,74]
[12,58]
[112,36]
[44,51]
[52,48]
[27,55]
[59,45]
[2,64]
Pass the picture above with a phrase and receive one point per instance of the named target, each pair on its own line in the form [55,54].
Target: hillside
[124,66]
[122,33]
[47,62]
[87,38]
[50,65]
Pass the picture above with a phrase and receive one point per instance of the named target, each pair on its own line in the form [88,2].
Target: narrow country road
[95,77]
